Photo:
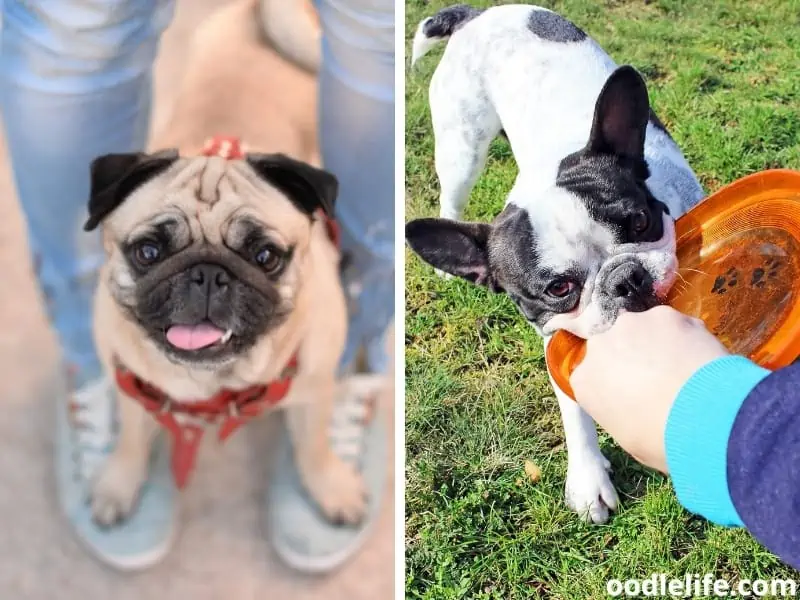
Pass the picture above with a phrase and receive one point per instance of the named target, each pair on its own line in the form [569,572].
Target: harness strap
[185,420]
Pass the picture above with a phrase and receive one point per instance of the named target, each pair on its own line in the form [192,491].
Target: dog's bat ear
[455,247]
[620,116]
[116,176]
[309,188]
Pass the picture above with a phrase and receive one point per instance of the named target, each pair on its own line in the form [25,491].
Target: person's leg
[76,83]
[357,144]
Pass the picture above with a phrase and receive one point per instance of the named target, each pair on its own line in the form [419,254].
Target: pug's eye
[561,288]
[640,222]
[268,259]
[147,253]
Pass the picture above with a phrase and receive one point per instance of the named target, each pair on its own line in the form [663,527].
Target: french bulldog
[587,229]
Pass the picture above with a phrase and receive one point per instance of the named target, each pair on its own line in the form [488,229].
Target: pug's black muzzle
[212,288]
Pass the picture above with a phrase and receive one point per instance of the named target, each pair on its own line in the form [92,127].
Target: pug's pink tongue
[193,337]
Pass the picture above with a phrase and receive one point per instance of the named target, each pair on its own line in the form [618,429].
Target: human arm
[725,429]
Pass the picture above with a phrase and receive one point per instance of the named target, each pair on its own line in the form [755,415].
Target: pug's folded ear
[307,187]
[116,176]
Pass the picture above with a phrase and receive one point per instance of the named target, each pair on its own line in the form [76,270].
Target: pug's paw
[339,491]
[115,489]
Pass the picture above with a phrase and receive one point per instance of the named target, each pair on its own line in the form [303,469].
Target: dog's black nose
[632,286]
[209,278]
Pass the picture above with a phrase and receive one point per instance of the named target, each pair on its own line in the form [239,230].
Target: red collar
[232,408]
[224,146]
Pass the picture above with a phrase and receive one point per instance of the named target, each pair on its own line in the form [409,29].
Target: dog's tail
[292,28]
[440,27]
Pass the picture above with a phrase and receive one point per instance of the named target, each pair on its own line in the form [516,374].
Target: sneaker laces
[93,426]
[353,412]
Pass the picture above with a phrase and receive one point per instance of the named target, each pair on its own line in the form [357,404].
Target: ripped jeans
[77,83]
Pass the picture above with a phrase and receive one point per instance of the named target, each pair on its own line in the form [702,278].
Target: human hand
[632,374]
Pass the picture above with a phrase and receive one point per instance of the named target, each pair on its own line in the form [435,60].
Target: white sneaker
[300,534]
[86,432]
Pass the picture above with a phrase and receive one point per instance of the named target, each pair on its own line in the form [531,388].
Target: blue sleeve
[733,450]
[697,432]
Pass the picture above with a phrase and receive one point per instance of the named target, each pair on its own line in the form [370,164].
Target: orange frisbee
[739,271]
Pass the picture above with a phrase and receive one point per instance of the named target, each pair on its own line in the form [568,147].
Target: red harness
[230,408]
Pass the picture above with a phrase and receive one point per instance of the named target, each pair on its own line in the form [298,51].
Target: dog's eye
[147,253]
[640,221]
[561,288]
[268,259]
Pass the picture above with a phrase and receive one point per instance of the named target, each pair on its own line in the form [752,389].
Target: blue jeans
[77,83]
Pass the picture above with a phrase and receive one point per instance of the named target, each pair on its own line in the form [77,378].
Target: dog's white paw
[444,275]
[589,491]
[114,490]
[339,491]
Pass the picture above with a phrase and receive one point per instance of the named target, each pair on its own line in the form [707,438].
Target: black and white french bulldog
[587,230]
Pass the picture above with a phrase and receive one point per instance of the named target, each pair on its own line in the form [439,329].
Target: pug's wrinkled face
[206,255]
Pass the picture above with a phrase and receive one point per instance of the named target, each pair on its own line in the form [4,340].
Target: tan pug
[219,271]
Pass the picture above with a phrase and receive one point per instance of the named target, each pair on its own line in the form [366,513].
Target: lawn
[724,77]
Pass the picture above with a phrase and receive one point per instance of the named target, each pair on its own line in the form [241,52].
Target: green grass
[724,77]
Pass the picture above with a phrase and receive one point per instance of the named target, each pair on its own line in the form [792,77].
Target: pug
[220,268]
